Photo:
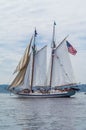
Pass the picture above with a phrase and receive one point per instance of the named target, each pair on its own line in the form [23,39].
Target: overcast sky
[18,18]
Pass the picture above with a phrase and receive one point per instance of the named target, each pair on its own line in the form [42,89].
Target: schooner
[35,79]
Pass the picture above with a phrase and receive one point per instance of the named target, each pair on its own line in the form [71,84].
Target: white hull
[51,95]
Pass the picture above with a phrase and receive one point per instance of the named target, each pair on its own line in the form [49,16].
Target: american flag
[71,49]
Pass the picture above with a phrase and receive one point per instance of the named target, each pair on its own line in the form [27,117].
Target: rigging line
[66,74]
[62,42]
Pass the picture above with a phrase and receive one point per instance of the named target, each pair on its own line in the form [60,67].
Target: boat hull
[51,95]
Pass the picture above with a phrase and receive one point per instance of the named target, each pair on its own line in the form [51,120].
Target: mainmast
[33,58]
[53,46]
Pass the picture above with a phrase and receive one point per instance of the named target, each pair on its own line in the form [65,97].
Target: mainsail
[62,72]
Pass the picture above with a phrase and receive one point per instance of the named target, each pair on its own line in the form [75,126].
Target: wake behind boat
[35,79]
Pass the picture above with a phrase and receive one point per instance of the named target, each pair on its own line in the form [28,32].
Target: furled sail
[62,73]
[39,78]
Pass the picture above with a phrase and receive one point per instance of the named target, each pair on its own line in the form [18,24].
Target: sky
[18,19]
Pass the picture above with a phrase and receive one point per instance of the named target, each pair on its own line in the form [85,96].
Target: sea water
[43,114]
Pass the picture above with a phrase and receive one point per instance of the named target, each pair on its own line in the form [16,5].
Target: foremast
[33,59]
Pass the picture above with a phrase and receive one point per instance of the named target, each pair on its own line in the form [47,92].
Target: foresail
[23,78]
[24,59]
[39,78]
[18,79]
[62,72]
[21,68]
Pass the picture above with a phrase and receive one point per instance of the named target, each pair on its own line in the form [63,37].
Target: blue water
[43,114]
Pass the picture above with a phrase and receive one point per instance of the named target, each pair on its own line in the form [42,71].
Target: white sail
[39,77]
[62,73]
[27,77]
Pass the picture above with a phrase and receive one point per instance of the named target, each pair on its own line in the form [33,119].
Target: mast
[33,58]
[53,46]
